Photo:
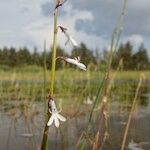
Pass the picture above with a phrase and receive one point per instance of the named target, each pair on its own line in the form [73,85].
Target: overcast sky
[29,22]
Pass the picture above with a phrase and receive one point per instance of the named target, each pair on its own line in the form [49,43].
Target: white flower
[55,116]
[76,62]
[69,37]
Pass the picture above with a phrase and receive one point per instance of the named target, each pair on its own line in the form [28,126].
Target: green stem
[54,54]
[45,68]
[51,92]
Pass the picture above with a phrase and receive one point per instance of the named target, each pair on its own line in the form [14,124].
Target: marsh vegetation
[22,108]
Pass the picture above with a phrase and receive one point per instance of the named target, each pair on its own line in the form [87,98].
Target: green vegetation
[25,78]
[132,61]
[97,59]
[29,81]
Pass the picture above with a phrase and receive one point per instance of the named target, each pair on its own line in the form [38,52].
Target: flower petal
[60,117]
[74,43]
[66,42]
[49,123]
[56,121]
[71,61]
[78,58]
[70,39]
[81,66]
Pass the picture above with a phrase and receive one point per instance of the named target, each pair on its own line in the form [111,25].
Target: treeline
[138,60]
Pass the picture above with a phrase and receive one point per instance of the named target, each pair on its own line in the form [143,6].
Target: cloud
[39,31]
[21,14]
[43,28]
[47,9]
[136,39]
[91,22]
[105,15]
[138,18]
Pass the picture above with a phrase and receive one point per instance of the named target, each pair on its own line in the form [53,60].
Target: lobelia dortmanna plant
[75,61]
[53,116]
[69,37]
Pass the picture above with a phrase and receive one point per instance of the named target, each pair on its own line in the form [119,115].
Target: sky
[30,22]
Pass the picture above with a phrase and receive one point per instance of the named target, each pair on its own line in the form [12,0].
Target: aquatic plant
[75,61]
[105,87]
[55,116]
[52,113]
[69,37]
[142,78]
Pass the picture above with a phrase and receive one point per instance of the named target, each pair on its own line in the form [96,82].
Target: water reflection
[22,120]
[22,128]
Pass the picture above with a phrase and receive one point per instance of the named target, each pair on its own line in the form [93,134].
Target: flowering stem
[51,92]
[45,104]
[54,54]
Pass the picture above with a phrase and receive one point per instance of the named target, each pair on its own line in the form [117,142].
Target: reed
[131,112]
[105,86]
[103,115]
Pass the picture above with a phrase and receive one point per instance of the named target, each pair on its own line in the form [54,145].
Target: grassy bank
[28,82]
[36,73]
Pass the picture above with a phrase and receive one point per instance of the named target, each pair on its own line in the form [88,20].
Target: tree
[124,53]
[140,59]
[24,56]
[13,59]
[48,55]
[35,57]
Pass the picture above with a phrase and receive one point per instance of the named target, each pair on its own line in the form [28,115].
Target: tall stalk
[103,115]
[45,68]
[113,47]
[106,83]
[51,92]
[131,112]
[54,52]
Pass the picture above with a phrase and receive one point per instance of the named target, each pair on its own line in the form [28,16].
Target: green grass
[73,86]
[28,82]
[36,73]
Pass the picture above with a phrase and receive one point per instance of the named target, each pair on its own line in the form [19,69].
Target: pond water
[22,124]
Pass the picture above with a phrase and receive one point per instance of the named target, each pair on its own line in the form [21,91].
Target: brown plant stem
[131,113]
